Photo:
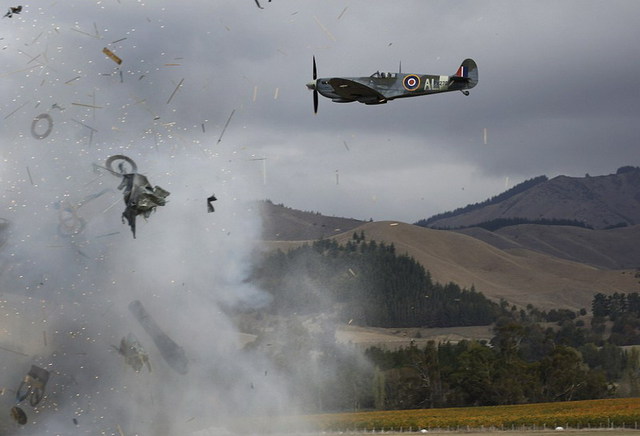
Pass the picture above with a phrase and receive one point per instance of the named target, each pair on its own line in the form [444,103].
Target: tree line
[622,312]
[533,356]
[367,283]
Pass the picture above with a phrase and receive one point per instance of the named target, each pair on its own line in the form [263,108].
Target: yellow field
[576,414]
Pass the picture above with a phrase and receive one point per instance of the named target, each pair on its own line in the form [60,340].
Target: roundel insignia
[411,82]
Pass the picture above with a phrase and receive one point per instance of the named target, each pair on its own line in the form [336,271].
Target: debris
[118,40]
[209,205]
[171,352]
[33,385]
[140,197]
[30,178]
[86,105]
[134,354]
[112,55]
[17,10]
[107,234]
[275,94]
[258,3]
[343,11]
[14,351]
[333,38]
[88,34]
[34,124]
[485,136]
[175,90]
[57,106]
[75,421]
[225,126]
[71,80]
[18,415]
[7,116]
[202,127]
[84,125]
[345,145]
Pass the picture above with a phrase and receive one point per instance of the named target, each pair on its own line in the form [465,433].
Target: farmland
[623,414]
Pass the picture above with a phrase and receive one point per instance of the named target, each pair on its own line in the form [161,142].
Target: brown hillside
[600,202]
[280,223]
[611,249]
[519,275]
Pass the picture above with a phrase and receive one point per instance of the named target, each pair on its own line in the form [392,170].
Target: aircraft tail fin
[468,71]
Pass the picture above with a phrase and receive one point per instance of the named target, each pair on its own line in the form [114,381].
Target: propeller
[315,91]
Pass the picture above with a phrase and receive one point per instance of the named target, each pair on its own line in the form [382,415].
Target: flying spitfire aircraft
[380,87]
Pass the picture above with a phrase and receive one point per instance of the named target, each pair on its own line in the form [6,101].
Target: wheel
[126,165]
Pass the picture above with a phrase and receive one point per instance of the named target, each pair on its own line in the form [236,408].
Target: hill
[598,202]
[519,275]
[281,223]
[609,249]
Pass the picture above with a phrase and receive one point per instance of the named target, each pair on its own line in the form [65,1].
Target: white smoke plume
[69,266]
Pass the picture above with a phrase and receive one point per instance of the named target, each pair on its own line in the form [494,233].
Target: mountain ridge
[599,202]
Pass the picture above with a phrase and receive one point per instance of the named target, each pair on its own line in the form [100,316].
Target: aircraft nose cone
[311,85]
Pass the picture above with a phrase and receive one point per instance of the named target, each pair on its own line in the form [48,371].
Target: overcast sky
[557,95]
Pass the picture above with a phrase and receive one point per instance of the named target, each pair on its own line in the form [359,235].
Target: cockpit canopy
[383,75]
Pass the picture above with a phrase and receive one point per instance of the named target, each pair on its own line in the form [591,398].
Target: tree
[563,374]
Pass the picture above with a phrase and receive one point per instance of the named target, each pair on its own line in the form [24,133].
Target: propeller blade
[315,101]
[315,71]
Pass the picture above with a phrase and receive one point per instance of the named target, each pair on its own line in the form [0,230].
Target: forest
[367,283]
[533,356]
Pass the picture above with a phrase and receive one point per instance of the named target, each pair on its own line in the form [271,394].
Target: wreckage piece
[133,353]
[258,3]
[33,385]
[121,159]
[112,55]
[13,10]
[18,415]
[140,198]
[47,130]
[209,205]
[171,352]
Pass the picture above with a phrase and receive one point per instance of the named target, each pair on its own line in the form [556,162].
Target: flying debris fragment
[258,3]
[225,126]
[18,415]
[17,10]
[140,197]
[209,205]
[34,125]
[171,352]
[134,354]
[33,385]
[112,55]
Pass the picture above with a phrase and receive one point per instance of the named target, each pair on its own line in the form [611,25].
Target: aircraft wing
[351,90]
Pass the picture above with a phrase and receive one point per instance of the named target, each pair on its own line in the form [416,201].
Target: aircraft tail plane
[468,71]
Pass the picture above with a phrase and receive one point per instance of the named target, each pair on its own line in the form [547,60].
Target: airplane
[381,87]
